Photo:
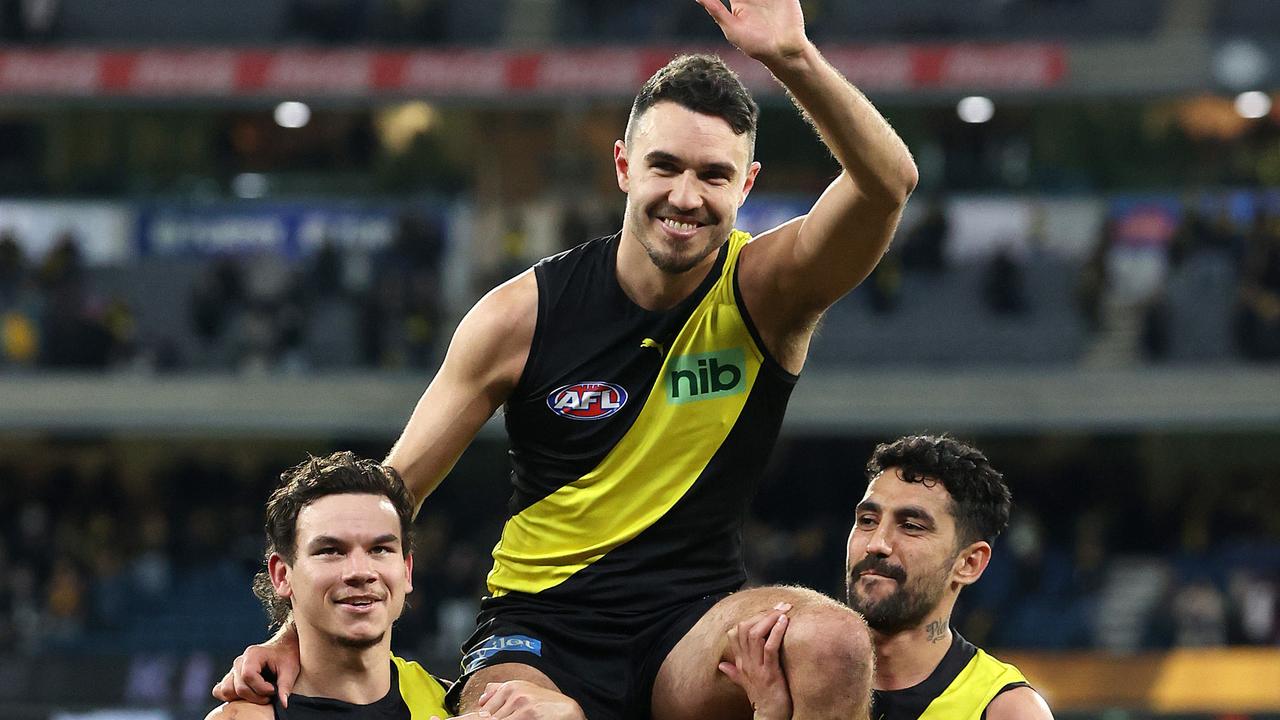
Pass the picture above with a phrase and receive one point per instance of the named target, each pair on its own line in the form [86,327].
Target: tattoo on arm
[937,630]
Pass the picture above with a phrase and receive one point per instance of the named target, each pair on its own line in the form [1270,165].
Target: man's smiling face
[685,175]
[351,575]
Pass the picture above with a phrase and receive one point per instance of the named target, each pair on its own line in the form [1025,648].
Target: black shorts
[607,661]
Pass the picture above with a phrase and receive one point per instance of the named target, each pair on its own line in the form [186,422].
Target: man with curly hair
[922,533]
[339,566]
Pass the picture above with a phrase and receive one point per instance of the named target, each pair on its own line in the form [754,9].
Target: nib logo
[706,375]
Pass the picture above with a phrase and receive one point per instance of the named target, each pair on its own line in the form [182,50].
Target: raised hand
[767,30]
[755,646]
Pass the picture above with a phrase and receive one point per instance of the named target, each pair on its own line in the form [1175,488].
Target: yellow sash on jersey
[685,419]
[421,692]
[967,697]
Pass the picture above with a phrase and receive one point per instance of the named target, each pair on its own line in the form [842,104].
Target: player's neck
[906,659]
[649,287]
[330,670]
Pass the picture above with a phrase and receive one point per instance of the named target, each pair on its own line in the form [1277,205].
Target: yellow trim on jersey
[967,697]
[421,692]
[653,465]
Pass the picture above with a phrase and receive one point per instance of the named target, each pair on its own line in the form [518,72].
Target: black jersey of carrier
[637,438]
[960,688]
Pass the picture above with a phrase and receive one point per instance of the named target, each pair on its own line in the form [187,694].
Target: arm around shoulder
[1022,703]
[241,710]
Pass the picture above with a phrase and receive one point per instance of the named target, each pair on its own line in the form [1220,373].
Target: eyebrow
[659,156]
[331,540]
[913,512]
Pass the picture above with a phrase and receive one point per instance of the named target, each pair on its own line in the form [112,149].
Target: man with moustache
[923,531]
[643,379]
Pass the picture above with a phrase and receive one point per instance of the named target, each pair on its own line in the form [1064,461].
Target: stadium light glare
[975,109]
[1253,104]
[292,114]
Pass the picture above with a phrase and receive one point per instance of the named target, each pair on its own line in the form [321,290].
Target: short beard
[906,607]
[669,264]
[673,264]
[359,643]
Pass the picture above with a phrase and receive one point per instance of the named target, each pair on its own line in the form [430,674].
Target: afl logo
[587,401]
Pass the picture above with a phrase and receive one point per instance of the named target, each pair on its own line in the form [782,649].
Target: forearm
[861,139]
[428,449]
[484,362]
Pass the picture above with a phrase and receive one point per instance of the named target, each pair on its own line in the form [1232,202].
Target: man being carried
[644,377]
[922,532]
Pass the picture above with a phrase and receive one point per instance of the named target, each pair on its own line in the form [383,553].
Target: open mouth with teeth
[358,602]
[680,226]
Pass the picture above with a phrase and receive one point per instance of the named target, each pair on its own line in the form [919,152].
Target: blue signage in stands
[288,229]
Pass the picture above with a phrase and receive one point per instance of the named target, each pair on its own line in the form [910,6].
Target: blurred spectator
[885,285]
[1255,600]
[325,279]
[1092,285]
[65,600]
[403,308]
[1123,284]
[151,569]
[1003,286]
[12,268]
[922,246]
[27,610]
[1199,615]
[1258,317]
[1197,235]
[19,337]
[73,331]
[216,298]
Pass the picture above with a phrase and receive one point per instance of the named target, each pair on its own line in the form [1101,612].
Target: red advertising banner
[477,73]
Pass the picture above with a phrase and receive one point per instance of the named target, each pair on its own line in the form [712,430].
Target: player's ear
[279,571]
[750,181]
[971,562]
[622,166]
[408,573]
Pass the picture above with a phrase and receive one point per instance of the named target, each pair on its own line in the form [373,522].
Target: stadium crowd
[100,555]
[241,313]
[1215,297]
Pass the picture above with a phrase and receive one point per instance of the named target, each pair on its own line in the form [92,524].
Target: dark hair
[980,500]
[703,84]
[338,474]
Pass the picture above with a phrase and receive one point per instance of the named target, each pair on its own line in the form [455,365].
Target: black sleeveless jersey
[637,438]
[960,688]
[414,695]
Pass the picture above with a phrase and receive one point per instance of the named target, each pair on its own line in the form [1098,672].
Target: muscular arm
[483,365]
[1021,703]
[791,274]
